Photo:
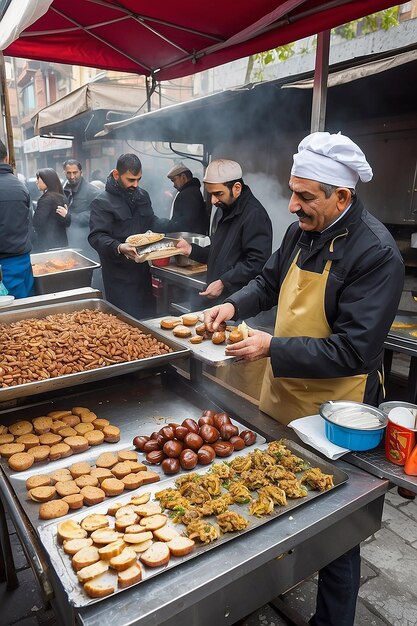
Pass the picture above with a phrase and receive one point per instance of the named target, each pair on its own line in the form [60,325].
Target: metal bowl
[201,240]
[353,437]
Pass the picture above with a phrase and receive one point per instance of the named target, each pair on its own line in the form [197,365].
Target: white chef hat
[222,171]
[177,169]
[331,159]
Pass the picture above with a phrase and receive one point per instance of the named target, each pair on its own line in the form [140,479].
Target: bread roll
[157,555]
[130,576]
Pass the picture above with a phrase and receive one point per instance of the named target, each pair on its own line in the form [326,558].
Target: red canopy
[176,38]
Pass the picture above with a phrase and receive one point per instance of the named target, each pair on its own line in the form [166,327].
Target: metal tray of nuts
[10,352]
[62,563]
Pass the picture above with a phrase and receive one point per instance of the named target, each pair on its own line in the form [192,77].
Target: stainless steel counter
[224,584]
[172,281]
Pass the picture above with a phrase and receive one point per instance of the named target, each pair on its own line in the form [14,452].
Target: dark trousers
[338,591]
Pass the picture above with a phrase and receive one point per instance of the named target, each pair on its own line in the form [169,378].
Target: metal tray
[405,333]
[206,351]
[61,562]
[79,276]
[60,382]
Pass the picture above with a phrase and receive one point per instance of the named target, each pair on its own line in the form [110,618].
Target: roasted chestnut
[173,425]
[248,436]
[181,431]
[218,337]
[220,419]
[155,457]
[223,448]
[235,336]
[140,441]
[222,326]
[208,412]
[193,441]
[190,424]
[153,435]
[173,448]
[170,466]
[167,432]
[228,430]
[206,419]
[237,442]
[206,455]
[200,329]
[210,434]
[151,445]
[188,459]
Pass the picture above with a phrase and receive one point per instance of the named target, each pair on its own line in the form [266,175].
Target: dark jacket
[116,214]
[190,214]
[50,228]
[14,214]
[240,246]
[361,299]
[79,204]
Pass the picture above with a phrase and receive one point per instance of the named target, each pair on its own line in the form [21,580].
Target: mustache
[301,213]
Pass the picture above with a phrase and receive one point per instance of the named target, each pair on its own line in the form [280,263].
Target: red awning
[174,39]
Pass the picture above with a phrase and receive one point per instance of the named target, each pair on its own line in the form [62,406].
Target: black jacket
[50,228]
[190,212]
[14,214]
[116,214]
[240,246]
[361,299]
[79,202]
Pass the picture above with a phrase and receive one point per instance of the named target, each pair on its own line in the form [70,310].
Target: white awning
[19,15]
[89,97]
[361,71]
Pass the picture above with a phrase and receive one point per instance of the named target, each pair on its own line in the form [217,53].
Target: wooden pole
[6,111]
[321,71]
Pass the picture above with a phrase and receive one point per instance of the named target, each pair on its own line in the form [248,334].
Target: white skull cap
[331,159]
[177,169]
[222,171]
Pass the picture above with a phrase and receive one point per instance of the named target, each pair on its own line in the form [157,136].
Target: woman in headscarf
[51,218]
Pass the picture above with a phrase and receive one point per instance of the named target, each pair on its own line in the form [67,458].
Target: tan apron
[301,313]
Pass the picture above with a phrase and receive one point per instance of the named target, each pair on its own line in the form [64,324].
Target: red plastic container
[399,442]
[162,262]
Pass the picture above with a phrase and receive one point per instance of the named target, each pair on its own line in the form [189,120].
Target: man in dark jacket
[241,234]
[121,210]
[188,211]
[79,194]
[337,279]
[14,231]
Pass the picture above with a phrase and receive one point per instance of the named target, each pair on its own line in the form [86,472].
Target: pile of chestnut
[185,445]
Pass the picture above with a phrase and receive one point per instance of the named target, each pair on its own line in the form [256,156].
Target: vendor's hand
[129,252]
[255,347]
[62,210]
[217,314]
[213,290]
[184,246]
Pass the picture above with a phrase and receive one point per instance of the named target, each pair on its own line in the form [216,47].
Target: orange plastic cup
[399,442]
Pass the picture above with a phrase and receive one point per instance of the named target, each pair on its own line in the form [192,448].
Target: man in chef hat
[337,279]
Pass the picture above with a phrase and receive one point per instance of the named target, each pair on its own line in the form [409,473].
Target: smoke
[274,198]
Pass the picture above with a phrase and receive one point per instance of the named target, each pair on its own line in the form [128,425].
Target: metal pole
[321,72]
[6,111]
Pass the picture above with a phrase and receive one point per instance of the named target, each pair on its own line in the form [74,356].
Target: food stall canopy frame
[165,39]
[59,117]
